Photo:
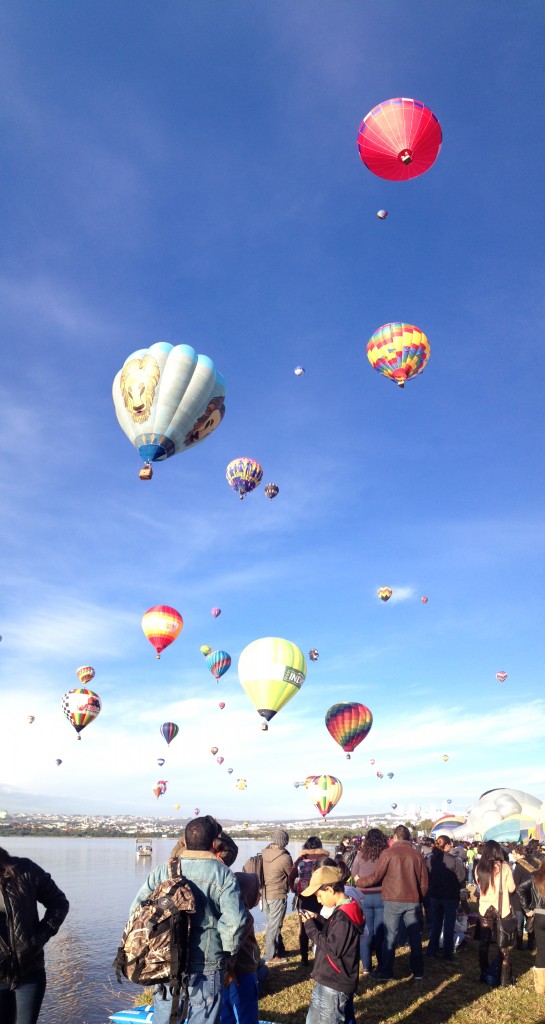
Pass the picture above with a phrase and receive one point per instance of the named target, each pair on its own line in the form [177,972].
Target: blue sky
[188,172]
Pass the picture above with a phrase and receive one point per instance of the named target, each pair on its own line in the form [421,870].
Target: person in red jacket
[337,941]
[404,876]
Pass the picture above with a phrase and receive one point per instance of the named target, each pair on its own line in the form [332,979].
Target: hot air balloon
[445,757]
[30,719]
[168,399]
[220,760]
[214,750]
[215,612]
[398,351]
[393,806]
[160,788]
[85,674]
[196,812]
[449,801]
[382,214]
[348,724]
[399,139]
[81,707]
[218,662]
[58,761]
[501,676]
[3,814]
[243,475]
[221,705]
[384,593]
[169,731]
[272,490]
[372,761]
[424,599]
[241,784]
[160,761]
[176,807]
[271,671]
[380,775]
[229,771]
[325,791]
[390,775]
[314,654]
[205,649]
[299,371]
[162,625]
[264,727]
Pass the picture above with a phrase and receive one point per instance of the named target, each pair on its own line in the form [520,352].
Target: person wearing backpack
[277,864]
[298,879]
[216,927]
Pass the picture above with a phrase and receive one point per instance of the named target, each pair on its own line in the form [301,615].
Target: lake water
[100,878]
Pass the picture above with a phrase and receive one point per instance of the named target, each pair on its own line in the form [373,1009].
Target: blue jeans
[275,911]
[326,1006]
[373,908]
[204,1000]
[22,1005]
[409,913]
[443,918]
[239,1001]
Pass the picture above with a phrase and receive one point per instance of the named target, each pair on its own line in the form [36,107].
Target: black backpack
[254,866]
[154,946]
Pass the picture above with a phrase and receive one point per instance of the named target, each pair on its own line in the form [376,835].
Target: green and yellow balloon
[271,671]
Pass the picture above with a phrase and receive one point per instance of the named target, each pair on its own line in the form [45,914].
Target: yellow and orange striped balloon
[161,625]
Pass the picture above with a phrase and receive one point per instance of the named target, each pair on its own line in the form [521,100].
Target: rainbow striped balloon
[348,724]
[162,625]
[398,351]
[325,791]
[218,662]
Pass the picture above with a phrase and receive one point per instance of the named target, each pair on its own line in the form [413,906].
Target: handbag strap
[500,896]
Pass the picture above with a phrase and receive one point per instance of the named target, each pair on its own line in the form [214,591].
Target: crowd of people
[375,894]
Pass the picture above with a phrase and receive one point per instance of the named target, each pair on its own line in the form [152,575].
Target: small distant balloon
[272,490]
[424,599]
[215,612]
[382,214]
[393,806]
[221,705]
[160,761]
[176,807]
[501,676]
[390,775]
[81,707]
[241,784]
[398,351]
[445,757]
[169,731]
[314,654]
[206,649]
[85,673]
[196,812]
[214,750]
[58,761]
[384,593]
[243,475]
[380,775]
[220,760]
[30,719]
[449,801]
[325,791]
[229,771]
[372,761]
[299,371]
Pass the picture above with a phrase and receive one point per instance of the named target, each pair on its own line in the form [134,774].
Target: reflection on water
[100,878]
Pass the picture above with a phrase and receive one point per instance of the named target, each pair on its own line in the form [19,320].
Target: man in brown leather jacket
[404,877]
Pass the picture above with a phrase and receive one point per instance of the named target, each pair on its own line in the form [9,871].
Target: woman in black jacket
[23,935]
[447,875]
[532,899]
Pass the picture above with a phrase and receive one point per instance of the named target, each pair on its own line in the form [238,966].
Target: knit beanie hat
[280,838]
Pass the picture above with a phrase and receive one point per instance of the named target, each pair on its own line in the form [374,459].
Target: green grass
[449,993]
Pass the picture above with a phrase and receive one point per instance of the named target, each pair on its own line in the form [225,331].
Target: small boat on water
[143,848]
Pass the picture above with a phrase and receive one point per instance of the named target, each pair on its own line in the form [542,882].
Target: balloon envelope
[382,214]
[399,139]
[161,625]
[215,612]
[241,784]
[205,649]
[314,654]
[218,662]
[271,671]
[243,475]
[160,761]
[169,731]
[348,724]
[81,707]
[424,599]
[271,490]
[299,371]
[168,399]
[214,750]
[325,791]
[85,674]
[398,351]
[58,761]
[384,593]
[30,719]
[501,676]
